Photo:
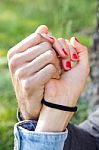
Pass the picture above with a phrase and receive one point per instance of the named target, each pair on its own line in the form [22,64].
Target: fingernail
[76,39]
[64,51]
[74,56]
[51,38]
[68,65]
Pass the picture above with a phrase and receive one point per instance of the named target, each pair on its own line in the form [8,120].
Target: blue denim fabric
[27,139]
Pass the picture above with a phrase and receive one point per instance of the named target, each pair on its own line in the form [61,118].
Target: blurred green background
[19,18]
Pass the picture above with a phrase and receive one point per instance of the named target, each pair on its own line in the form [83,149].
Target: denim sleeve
[27,139]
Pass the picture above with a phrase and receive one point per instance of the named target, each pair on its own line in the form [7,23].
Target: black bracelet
[60,107]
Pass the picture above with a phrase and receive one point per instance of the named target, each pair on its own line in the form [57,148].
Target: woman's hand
[32,64]
[67,89]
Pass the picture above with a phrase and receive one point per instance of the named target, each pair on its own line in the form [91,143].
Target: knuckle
[9,54]
[19,73]
[12,65]
[26,84]
[13,62]
[47,45]
[50,55]
[52,68]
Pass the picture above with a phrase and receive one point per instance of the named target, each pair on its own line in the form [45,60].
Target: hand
[67,90]
[32,64]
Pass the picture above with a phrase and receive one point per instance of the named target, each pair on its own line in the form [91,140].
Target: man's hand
[67,90]
[32,64]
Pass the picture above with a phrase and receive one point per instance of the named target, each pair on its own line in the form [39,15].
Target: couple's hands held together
[37,72]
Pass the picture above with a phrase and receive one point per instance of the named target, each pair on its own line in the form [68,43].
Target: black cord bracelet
[60,107]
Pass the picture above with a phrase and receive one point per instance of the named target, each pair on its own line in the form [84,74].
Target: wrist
[27,116]
[30,107]
[30,114]
[52,120]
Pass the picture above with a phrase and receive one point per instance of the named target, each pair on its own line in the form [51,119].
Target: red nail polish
[76,39]
[68,64]
[64,52]
[51,38]
[48,37]
[74,56]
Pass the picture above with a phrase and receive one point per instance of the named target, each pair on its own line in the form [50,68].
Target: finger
[60,49]
[29,55]
[47,73]
[40,78]
[48,37]
[81,50]
[66,64]
[37,64]
[73,52]
[67,61]
[64,46]
[28,42]
[42,29]
[57,62]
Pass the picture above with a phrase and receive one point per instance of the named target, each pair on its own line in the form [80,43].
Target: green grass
[20,18]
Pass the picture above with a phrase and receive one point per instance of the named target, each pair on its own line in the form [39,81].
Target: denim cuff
[26,138]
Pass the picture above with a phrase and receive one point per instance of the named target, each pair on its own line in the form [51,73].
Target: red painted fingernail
[76,39]
[68,64]
[51,38]
[74,56]
[48,37]
[64,52]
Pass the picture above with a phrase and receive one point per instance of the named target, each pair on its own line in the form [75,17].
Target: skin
[64,91]
[32,63]
[34,57]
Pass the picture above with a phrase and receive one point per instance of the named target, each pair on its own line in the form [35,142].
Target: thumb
[82,51]
[42,29]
